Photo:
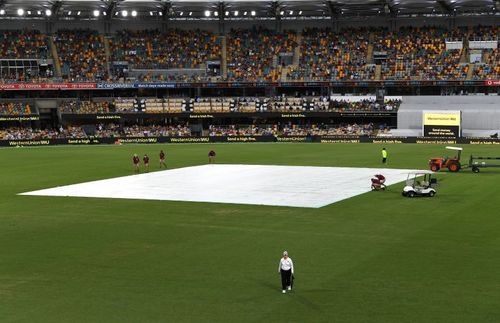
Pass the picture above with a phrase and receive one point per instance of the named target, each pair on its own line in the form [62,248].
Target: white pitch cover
[294,186]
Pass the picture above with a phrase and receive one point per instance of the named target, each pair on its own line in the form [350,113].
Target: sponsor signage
[20,118]
[48,86]
[171,85]
[441,123]
[249,139]
[492,83]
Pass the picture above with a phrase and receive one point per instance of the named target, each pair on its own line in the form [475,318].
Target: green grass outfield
[377,257]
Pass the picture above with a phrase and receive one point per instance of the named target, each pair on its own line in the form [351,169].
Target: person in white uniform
[286,270]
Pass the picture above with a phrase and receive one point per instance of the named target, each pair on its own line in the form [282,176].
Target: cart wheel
[454,167]
[475,169]
[432,193]
[411,194]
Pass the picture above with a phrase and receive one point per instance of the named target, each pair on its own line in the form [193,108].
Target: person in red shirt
[162,159]
[211,157]
[135,161]
[145,159]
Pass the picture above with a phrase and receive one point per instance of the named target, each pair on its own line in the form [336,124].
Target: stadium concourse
[312,187]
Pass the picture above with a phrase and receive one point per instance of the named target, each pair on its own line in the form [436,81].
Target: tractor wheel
[432,193]
[435,168]
[475,169]
[411,194]
[454,167]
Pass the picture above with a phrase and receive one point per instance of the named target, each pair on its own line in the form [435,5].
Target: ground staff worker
[286,270]
[384,156]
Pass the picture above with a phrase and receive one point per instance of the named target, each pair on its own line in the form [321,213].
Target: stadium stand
[152,49]
[334,56]
[253,53]
[82,55]
[15,108]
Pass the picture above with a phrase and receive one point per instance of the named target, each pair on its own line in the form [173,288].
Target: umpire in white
[286,270]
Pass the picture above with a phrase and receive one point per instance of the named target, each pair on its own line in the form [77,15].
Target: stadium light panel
[160,13]
[227,13]
[216,14]
[252,12]
[300,12]
[29,12]
[150,13]
[124,13]
[39,12]
[20,12]
[181,13]
[236,13]
[245,13]
[96,13]
[134,13]
[69,13]
[78,13]
[291,12]
[282,13]
[104,13]
[2,12]
[207,13]
[190,13]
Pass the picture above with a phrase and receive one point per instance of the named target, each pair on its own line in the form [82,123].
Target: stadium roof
[240,9]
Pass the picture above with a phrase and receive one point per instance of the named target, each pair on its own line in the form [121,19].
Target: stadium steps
[470,71]
[224,56]
[55,55]
[369,54]
[105,41]
[486,56]
[296,51]
[464,58]
[378,72]
[284,72]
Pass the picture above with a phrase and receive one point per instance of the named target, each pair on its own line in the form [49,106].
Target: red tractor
[453,164]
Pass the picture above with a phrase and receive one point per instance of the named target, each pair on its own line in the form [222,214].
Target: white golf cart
[420,183]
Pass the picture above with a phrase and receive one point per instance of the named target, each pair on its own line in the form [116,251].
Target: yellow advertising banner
[442,119]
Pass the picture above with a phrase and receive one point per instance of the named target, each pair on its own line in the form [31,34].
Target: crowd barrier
[270,139]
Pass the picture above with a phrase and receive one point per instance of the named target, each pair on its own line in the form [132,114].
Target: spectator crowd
[254,54]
